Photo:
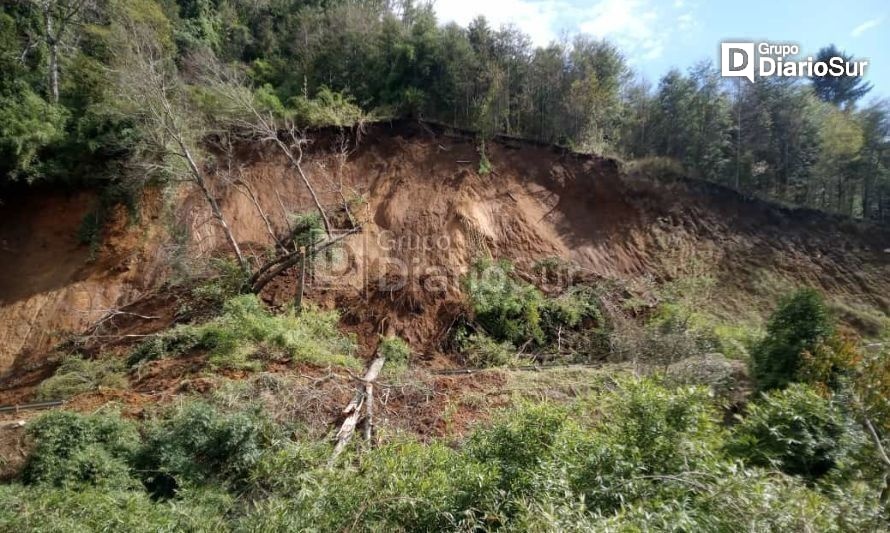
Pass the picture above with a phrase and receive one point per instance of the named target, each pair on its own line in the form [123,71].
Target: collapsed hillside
[427,214]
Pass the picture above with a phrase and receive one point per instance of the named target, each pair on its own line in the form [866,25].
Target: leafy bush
[570,309]
[481,351]
[407,486]
[70,448]
[246,329]
[43,509]
[633,456]
[172,343]
[723,376]
[521,446]
[328,108]
[226,281]
[507,309]
[793,429]
[800,324]
[77,375]
[197,445]
[396,351]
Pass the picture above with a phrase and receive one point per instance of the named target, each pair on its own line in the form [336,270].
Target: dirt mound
[427,215]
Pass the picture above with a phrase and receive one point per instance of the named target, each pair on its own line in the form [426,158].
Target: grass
[246,332]
[77,375]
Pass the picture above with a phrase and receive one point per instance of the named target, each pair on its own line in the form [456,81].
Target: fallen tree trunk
[276,266]
[364,397]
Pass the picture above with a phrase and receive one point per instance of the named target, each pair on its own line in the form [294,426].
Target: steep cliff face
[427,214]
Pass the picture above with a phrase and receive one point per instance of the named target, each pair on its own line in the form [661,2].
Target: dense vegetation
[632,455]
[72,109]
[625,453]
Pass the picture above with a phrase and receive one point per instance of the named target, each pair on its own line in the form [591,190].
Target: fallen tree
[363,400]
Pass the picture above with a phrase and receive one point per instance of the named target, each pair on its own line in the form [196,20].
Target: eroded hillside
[426,214]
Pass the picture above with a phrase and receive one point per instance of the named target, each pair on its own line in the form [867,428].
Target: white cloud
[536,18]
[632,24]
[867,25]
[641,28]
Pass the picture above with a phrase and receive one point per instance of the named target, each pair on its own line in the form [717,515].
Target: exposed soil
[427,215]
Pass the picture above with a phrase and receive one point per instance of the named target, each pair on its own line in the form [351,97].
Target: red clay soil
[427,215]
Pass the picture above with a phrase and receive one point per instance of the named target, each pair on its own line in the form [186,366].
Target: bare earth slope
[427,215]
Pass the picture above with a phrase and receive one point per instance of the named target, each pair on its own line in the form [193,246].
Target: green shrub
[800,324]
[44,509]
[507,309]
[77,375]
[197,445]
[70,448]
[481,351]
[570,309]
[246,330]
[396,351]
[226,281]
[328,108]
[794,430]
[408,486]
[521,445]
[172,343]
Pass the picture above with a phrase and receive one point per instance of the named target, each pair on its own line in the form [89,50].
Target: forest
[813,143]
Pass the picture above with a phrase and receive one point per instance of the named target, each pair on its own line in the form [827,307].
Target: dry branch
[364,397]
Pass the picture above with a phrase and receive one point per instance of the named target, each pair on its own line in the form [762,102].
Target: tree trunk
[295,161]
[53,44]
[214,207]
[353,411]
[298,304]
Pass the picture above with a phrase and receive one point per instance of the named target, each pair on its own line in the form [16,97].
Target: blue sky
[656,35]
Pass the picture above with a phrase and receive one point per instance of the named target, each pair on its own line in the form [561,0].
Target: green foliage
[838,90]
[795,430]
[507,309]
[650,431]
[198,445]
[246,331]
[73,449]
[485,167]
[777,139]
[799,325]
[328,108]
[98,509]
[632,456]
[28,125]
[521,446]
[172,343]
[308,229]
[77,375]
[227,279]
[481,351]
[396,351]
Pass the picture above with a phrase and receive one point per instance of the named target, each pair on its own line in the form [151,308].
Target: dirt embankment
[427,214]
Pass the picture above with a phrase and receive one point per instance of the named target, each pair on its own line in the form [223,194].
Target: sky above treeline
[656,35]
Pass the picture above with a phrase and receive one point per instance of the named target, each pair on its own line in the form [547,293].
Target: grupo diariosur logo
[751,60]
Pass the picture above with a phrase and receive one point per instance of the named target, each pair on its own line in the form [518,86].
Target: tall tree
[59,19]
[843,90]
[152,91]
